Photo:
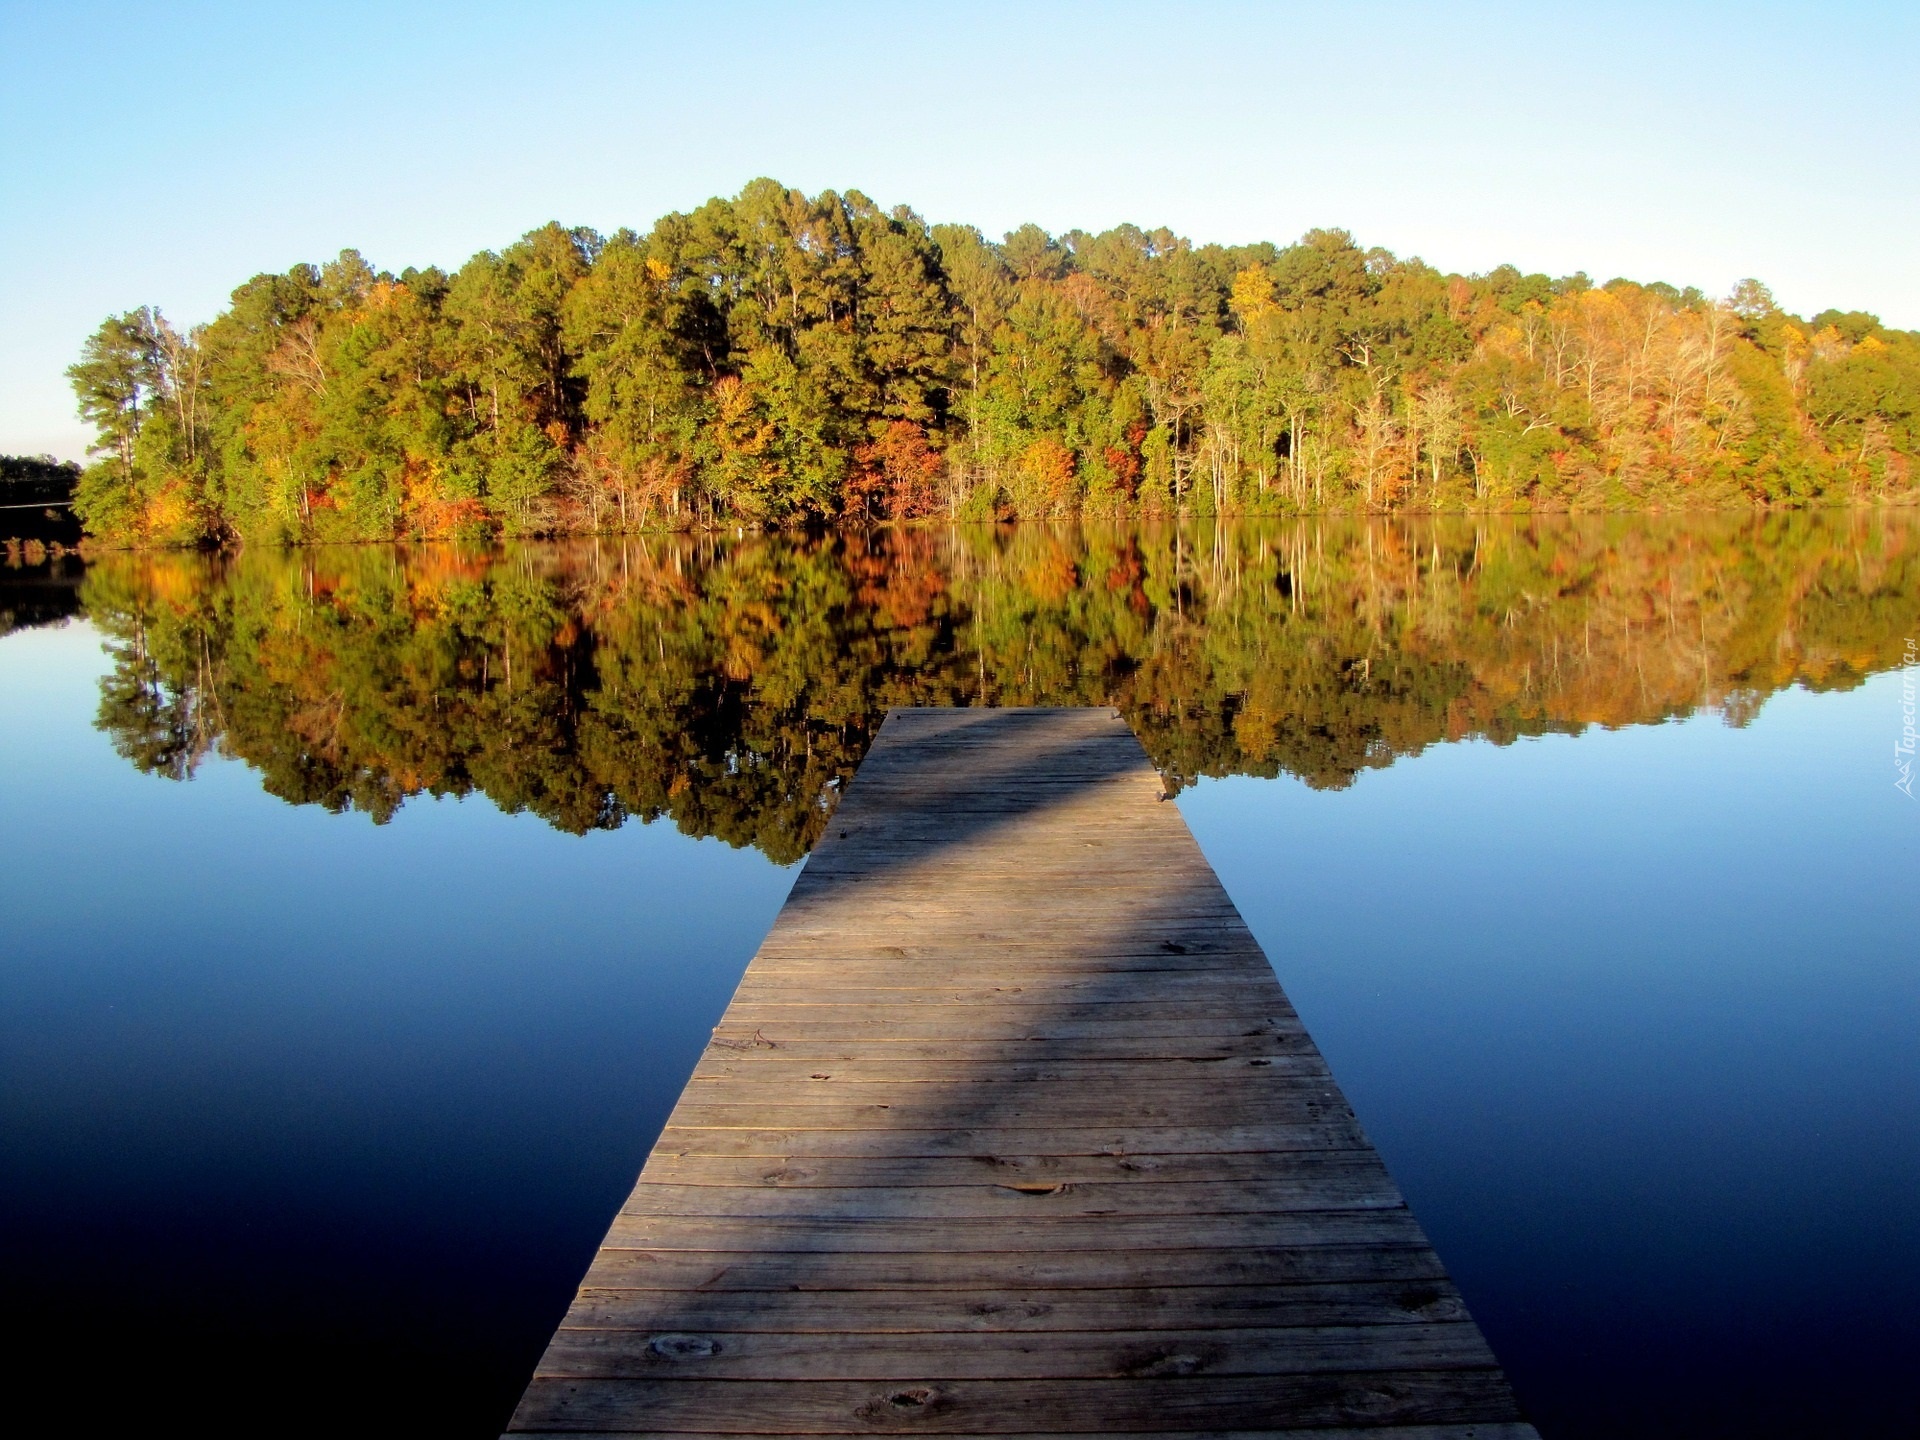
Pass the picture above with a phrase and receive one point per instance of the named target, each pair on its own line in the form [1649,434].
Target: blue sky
[163,154]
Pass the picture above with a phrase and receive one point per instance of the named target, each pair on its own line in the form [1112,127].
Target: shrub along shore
[776,359]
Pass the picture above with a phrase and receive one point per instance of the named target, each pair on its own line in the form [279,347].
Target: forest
[733,685]
[778,360]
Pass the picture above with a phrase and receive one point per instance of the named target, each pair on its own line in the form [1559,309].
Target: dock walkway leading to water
[1010,1130]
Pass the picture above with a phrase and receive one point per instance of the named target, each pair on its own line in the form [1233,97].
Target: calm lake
[364,910]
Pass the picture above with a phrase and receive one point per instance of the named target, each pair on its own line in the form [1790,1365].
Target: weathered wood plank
[1185,1307]
[1060,1406]
[1481,1431]
[1176,1049]
[827,952]
[771,1027]
[1256,1088]
[1272,1138]
[866,1067]
[691,1273]
[835,1172]
[1009,1130]
[1359,1187]
[1509,1431]
[1010,1015]
[1231,990]
[975,1355]
[1008,1105]
[829,1235]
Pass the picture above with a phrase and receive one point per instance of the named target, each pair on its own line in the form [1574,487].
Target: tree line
[36,493]
[731,684]
[776,359]
[37,480]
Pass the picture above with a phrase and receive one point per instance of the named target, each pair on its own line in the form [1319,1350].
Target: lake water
[365,909]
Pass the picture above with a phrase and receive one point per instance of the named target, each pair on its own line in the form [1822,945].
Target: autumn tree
[755,360]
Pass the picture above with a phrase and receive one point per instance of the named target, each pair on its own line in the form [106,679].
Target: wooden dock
[1010,1130]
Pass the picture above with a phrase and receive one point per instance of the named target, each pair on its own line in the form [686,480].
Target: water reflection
[730,683]
[350,1105]
[39,592]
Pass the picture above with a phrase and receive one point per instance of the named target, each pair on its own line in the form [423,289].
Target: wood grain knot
[913,1402]
[676,1348]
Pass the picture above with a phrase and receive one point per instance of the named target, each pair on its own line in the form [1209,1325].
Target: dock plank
[1185,1307]
[939,1406]
[1009,1130]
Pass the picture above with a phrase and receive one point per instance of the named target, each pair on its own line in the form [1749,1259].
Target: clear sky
[164,153]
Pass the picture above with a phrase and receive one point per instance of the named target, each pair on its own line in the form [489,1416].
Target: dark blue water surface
[315,1117]
[310,1114]
[1634,1018]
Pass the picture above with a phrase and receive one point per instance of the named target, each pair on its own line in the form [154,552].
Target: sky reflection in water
[322,1108]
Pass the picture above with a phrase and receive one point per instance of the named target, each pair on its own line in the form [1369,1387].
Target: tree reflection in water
[730,683]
